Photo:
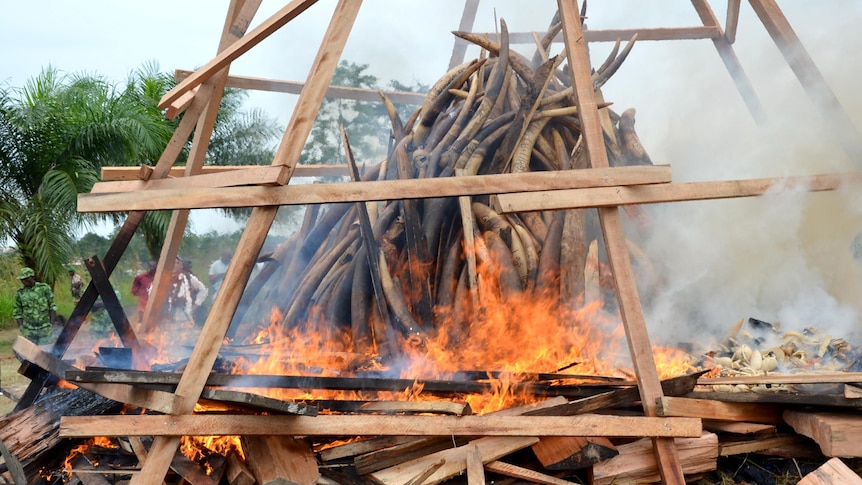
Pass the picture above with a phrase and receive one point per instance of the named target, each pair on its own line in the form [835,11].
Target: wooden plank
[236,471]
[831,472]
[362,446]
[146,398]
[852,391]
[837,434]
[420,478]
[731,62]
[612,35]
[417,407]
[807,378]
[725,411]
[254,175]
[225,57]
[332,92]
[280,460]
[181,196]
[134,173]
[403,452]
[656,194]
[675,386]
[226,301]
[757,445]
[531,476]
[468,17]
[637,464]
[259,402]
[737,427]
[801,63]
[490,448]
[782,398]
[167,379]
[368,425]
[732,20]
[573,452]
[475,469]
[630,309]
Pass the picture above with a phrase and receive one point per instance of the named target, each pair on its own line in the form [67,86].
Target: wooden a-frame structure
[198,96]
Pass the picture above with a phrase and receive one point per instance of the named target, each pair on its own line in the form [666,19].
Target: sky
[785,257]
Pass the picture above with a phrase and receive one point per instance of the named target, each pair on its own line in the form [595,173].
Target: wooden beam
[732,20]
[218,321]
[825,378]
[110,174]
[454,460]
[225,57]
[630,309]
[468,17]
[636,464]
[809,76]
[257,196]
[725,411]
[757,445]
[657,194]
[377,425]
[731,62]
[837,434]
[833,471]
[532,476]
[332,92]
[146,398]
[612,35]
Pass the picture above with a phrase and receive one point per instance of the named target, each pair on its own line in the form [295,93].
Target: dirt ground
[10,379]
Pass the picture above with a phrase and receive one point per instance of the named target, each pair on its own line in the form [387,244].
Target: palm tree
[55,134]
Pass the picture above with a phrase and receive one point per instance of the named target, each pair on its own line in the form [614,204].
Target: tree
[366,123]
[55,134]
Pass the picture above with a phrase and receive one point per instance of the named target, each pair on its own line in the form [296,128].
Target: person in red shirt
[141,287]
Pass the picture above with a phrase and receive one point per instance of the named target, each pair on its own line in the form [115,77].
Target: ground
[9,377]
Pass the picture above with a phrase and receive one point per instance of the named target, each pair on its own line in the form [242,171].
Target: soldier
[76,285]
[34,309]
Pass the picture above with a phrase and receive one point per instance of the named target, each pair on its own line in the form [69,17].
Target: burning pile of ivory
[417,279]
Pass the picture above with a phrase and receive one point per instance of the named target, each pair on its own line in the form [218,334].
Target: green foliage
[367,124]
[9,284]
[58,131]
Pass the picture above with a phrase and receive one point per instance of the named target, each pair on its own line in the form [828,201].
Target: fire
[200,448]
[514,333]
[100,441]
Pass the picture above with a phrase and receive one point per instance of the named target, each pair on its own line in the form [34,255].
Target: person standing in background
[218,268]
[34,309]
[76,285]
[141,288]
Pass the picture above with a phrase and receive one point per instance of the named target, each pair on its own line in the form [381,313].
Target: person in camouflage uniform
[76,285]
[34,309]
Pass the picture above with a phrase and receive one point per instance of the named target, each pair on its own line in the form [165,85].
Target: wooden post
[226,301]
[615,240]
[731,62]
[810,77]
[466,25]
[112,304]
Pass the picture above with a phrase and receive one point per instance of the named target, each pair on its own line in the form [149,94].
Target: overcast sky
[769,260]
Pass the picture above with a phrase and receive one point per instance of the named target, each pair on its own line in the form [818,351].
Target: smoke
[783,257]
